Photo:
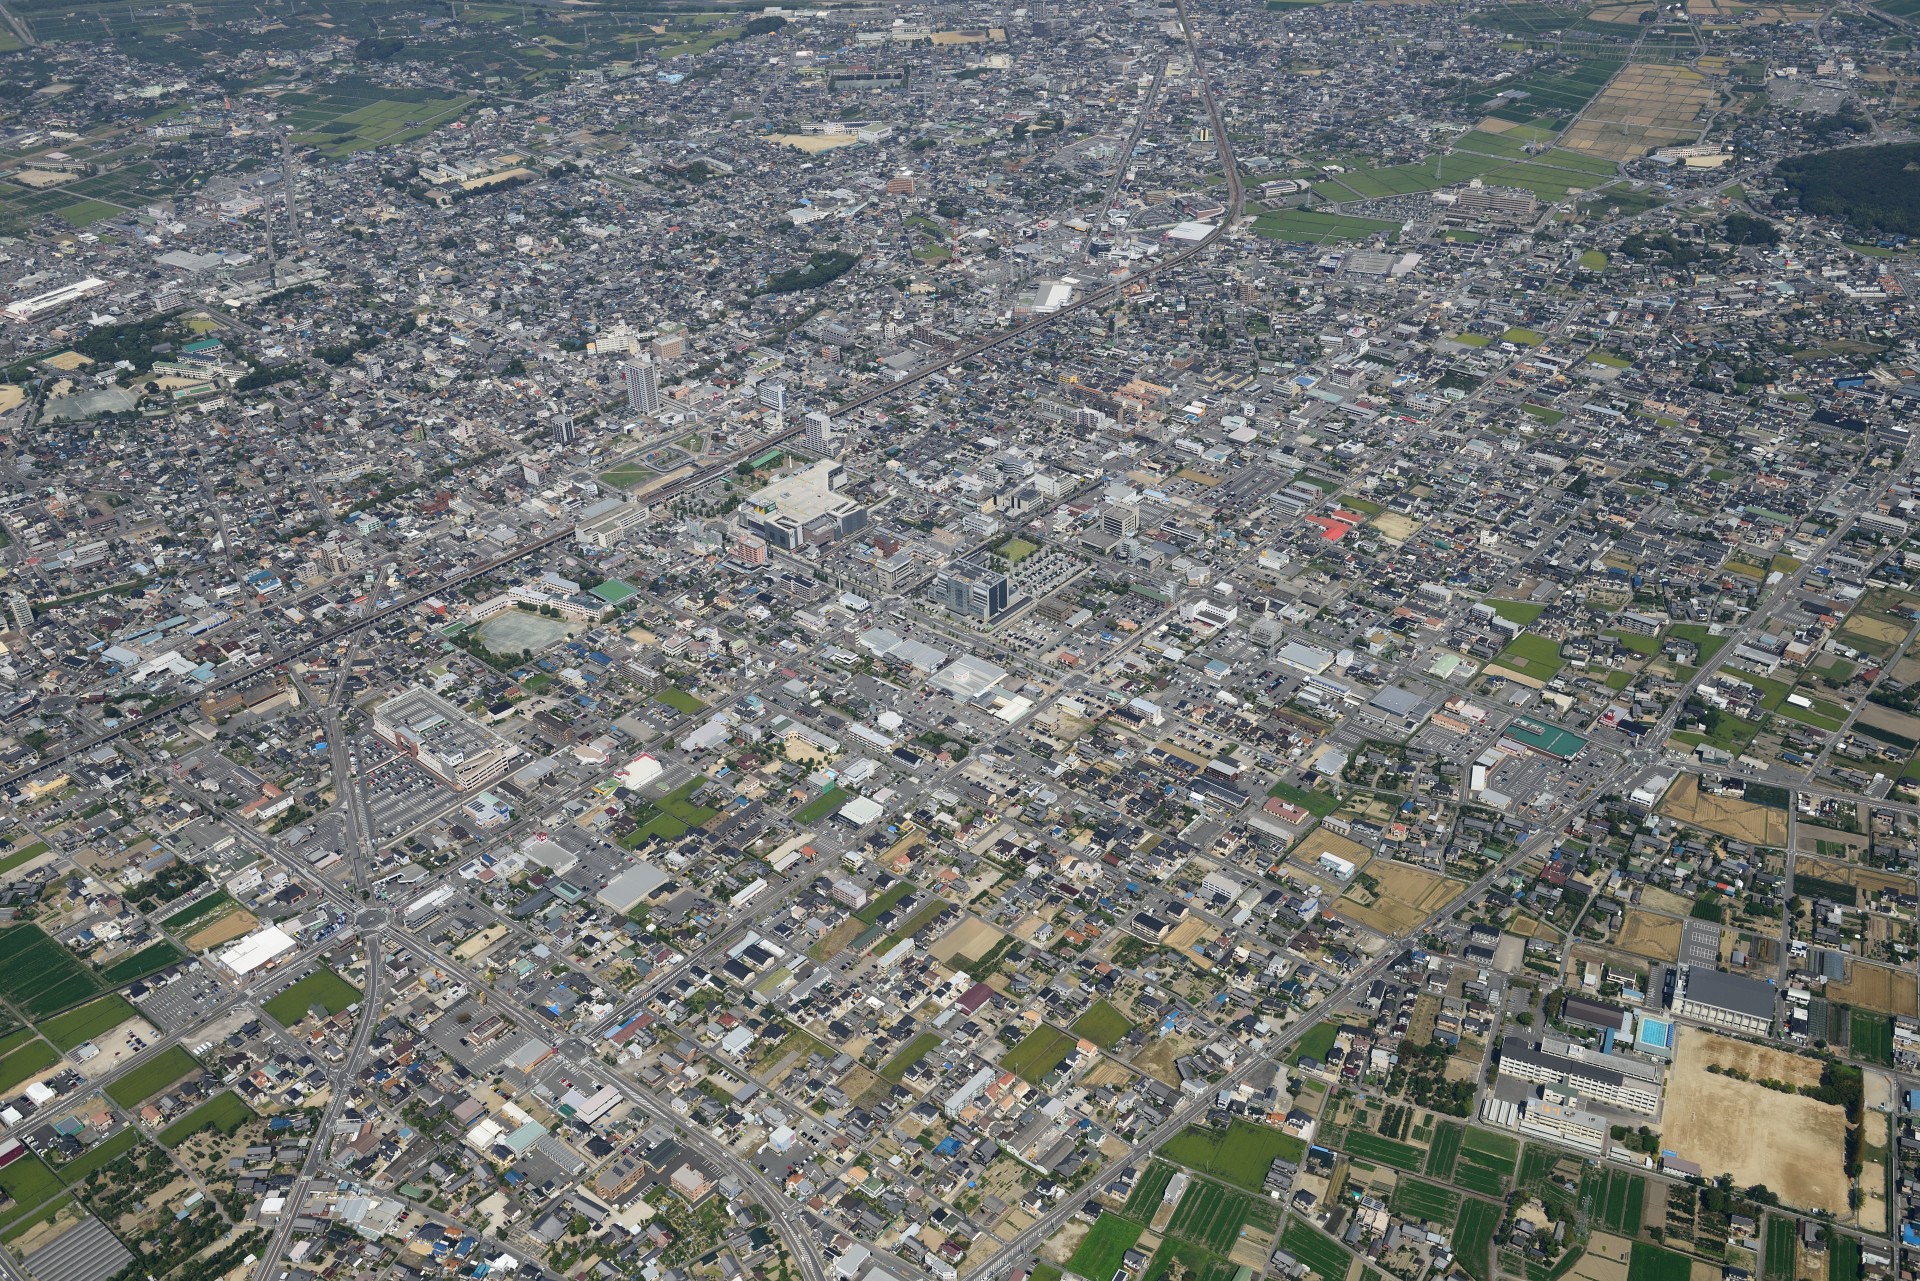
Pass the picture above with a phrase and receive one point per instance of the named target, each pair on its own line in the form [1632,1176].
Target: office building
[803,509]
[458,751]
[643,386]
[971,589]
[1121,519]
[563,429]
[773,395]
[670,345]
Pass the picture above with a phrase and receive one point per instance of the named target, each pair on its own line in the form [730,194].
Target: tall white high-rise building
[773,395]
[643,386]
[819,434]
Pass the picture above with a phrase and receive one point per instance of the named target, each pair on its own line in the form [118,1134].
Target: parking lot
[400,796]
[187,1000]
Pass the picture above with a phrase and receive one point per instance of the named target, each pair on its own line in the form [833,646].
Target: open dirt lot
[973,938]
[1406,897]
[1756,1061]
[1878,988]
[1183,936]
[1654,937]
[1790,1143]
[1605,1259]
[228,928]
[1645,107]
[1742,820]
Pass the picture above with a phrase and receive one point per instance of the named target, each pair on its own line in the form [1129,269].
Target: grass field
[879,907]
[1102,1024]
[1523,612]
[1102,1249]
[1371,1147]
[1319,228]
[100,1155]
[1531,655]
[1444,1150]
[1320,1037]
[1039,1052]
[1473,1237]
[137,965]
[218,901]
[80,1025]
[915,1050]
[1781,1249]
[1178,1260]
[223,1112]
[1318,804]
[38,975]
[1428,1201]
[25,854]
[1870,1037]
[151,1077]
[680,701]
[823,806]
[1209,1215]
[1316,1249]
[626,476]
[1240,1154]
[1656,1263]
[29,1183]
[322,987]
[35,1056]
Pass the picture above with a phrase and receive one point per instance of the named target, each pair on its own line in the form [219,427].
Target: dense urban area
[1207,641]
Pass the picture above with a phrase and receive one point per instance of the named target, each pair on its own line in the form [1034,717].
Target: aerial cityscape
[1217,640]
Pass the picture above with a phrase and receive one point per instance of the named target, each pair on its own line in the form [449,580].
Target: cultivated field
[1742,820]
[1790,1143]
[1877,988]
[1654,937]
[1406,897]
[1645,107]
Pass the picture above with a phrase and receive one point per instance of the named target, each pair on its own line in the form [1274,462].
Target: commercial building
[448,745]
[970,589]
[602,524]
[804,509]
[1728,1000]
[1616,1082]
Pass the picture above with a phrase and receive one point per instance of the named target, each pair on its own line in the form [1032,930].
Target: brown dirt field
[1886,718]
[1742,820]
[1406,897]
[1906,671]
[225,930]
[1873,629]
[835,940]
[1183,936]
[1605,1259]
[1106,1071]
[1251,1251]
[1873,1203]
[1061,1245]
[1790,1143]
[1755,1060]
[1704,1271]
[1156,1058]
[1644,934]
[1878,988]
[973,938]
